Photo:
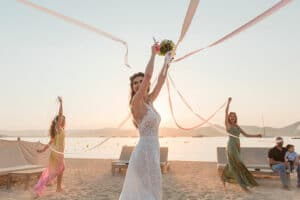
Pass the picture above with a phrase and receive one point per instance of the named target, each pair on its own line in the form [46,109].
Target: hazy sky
[42,57]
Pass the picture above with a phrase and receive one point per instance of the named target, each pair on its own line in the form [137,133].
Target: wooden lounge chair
[123,161]
[7,170]
[27,174]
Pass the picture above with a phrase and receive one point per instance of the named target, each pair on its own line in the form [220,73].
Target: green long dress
[235,170]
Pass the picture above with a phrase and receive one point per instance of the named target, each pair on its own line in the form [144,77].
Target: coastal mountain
[290,130]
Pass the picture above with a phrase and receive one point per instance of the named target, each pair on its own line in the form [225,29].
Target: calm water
[180,148]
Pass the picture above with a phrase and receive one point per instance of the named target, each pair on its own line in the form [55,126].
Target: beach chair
[123,161]
[25,174]
[255,159]
[19,159]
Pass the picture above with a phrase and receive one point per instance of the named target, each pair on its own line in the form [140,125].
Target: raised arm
[60,111]
[148,74]
[227,112]
[162,78]
[248,135]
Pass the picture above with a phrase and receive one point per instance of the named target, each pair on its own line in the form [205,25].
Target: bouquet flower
[165,47]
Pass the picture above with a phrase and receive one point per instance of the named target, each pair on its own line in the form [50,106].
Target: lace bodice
[150,123]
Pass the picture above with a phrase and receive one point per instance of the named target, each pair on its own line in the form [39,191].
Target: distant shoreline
[292,130]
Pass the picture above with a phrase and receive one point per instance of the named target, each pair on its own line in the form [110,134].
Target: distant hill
[291,130]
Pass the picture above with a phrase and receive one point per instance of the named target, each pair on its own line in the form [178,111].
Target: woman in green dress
[235,170]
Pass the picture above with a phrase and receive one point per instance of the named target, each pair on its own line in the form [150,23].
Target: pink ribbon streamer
[195,113]
[187,21]
[242,28]
[80,24]
[186,24]
[205,121]
[86,150]
[123,122]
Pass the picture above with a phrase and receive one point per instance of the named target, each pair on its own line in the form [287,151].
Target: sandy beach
[92,179]
[199,84]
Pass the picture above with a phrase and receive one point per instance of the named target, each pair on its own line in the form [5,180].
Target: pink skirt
[48,175]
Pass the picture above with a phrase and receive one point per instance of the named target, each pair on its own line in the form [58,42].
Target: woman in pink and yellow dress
[56,161]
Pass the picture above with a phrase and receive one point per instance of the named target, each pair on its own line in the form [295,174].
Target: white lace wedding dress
[143,177]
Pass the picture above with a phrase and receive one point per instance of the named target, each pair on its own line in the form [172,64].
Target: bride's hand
[155,48]
[168,58]
[59,98]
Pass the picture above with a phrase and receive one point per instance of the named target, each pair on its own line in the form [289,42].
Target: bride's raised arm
[162,78]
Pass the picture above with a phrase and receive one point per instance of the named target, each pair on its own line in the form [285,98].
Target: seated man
[277,161]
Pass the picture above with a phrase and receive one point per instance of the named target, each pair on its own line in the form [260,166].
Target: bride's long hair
[132,92]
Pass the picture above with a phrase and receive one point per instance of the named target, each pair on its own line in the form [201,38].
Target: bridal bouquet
[165,46]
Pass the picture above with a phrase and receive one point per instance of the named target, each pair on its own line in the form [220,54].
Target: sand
[92,179]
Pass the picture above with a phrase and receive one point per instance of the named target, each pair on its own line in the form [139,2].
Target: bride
[143,177]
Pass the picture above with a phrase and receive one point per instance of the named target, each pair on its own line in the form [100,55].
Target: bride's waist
[151,137]
[148,142]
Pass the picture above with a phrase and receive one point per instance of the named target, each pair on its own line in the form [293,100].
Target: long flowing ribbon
[187,22]
[242,28]
[80,24]
[204,121]
[185,26]
[195,113]
[221,130]
[89,149]
[188,105]
[123,122]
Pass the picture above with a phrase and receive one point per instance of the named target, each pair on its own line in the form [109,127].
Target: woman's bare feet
[224,184]
[36,196]
[286,188]
[59,190]
[246,190]
[50,183]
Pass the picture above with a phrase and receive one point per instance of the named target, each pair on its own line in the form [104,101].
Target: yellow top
[59,145]
[59,140]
